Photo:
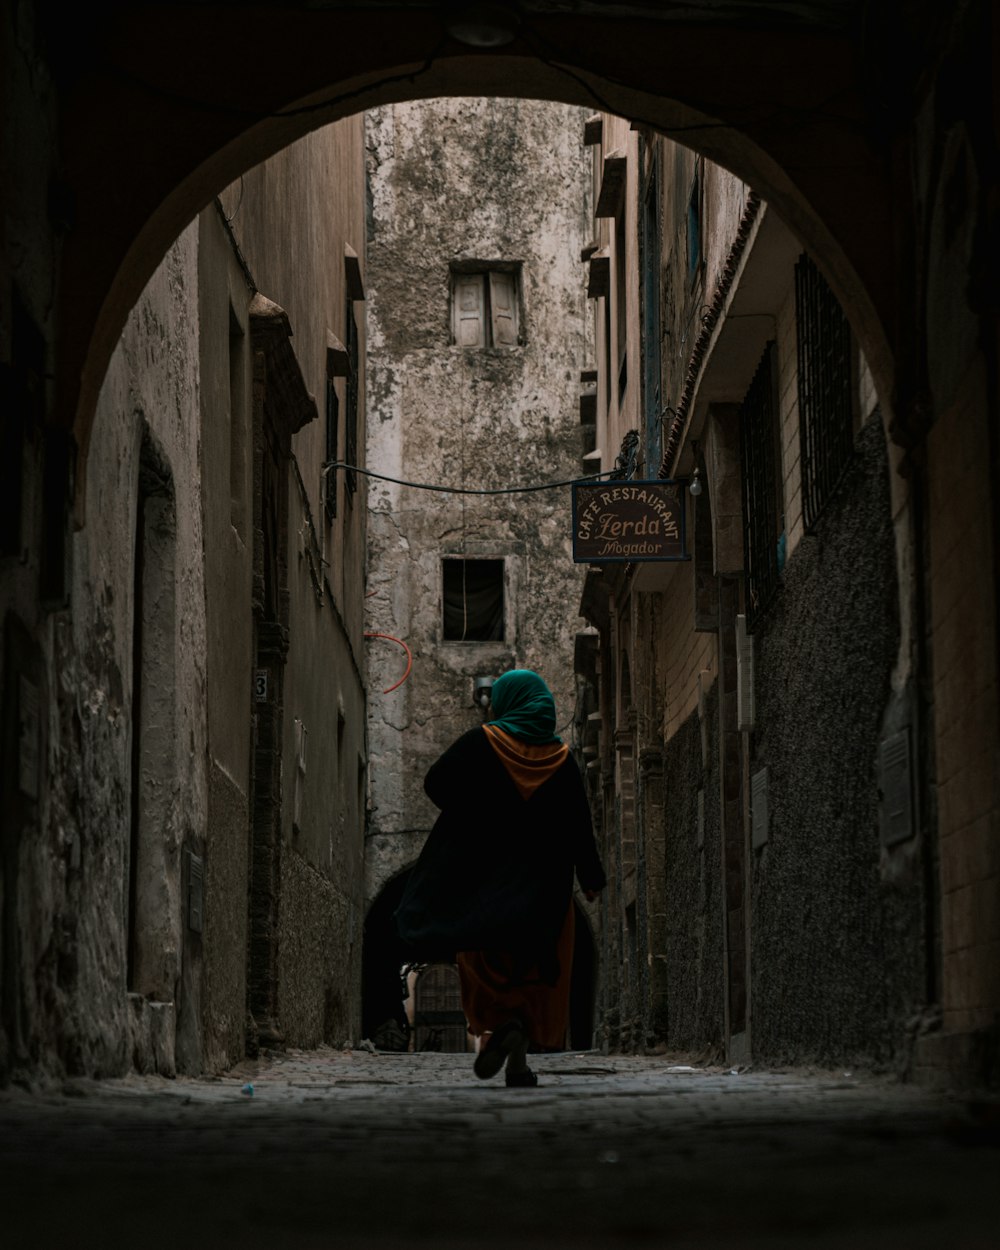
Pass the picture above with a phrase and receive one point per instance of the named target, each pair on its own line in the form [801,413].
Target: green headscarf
[523,706]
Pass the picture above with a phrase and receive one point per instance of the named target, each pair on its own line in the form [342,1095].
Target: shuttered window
[484,308]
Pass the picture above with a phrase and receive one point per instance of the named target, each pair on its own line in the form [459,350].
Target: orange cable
[409,658]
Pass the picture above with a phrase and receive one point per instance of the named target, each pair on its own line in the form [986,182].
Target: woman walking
[493,886]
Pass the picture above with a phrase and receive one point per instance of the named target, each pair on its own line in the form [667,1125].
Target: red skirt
[492,995]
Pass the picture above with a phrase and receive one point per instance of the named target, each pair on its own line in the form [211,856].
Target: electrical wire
[464,490]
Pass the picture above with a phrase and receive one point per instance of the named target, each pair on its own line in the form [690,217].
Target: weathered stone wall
[464,181]
[112,956]
[837,960]
[72,880]
[319,957]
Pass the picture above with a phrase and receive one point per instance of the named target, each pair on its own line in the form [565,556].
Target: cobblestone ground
[350,1149]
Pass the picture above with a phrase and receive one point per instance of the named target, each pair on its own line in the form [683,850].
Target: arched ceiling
[161,104]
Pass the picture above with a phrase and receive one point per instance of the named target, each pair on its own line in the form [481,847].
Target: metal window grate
[758,440]
[826,413]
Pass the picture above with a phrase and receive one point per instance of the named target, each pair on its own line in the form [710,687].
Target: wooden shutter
[503,310]
[469,325]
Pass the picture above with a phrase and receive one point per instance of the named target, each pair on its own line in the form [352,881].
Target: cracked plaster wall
[451,181]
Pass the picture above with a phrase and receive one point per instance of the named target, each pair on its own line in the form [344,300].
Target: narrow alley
[499,557]
[340,1148]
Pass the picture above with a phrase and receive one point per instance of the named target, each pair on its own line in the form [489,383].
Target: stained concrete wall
[464,181]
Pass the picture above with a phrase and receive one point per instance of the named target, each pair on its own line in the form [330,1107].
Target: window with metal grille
[826,392]
[472,591]
[351,416]
[762,513]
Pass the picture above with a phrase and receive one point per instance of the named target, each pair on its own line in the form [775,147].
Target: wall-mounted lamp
[695,486]
[483,25]
[482,691]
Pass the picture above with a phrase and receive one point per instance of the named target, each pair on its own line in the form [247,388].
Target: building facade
[761,754]
[478,336]
[183,832]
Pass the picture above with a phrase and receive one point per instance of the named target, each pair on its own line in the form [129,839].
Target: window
[762,513]
[826,390]
[484,307]
[473,600]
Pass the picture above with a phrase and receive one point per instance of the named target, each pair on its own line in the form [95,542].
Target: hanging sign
[628,521]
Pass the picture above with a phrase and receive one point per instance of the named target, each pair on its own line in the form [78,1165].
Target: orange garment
[528,764]
[492,994]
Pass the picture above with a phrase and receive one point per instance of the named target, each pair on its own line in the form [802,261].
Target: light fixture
[695,486]
[482,692]
[483,25]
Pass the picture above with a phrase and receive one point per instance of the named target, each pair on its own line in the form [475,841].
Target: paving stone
[349,1149]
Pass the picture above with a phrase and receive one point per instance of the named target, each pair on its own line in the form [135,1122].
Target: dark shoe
[494,1054]
[521,1080]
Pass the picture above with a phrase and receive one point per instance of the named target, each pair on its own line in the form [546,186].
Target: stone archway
[164,116]
[875,145]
